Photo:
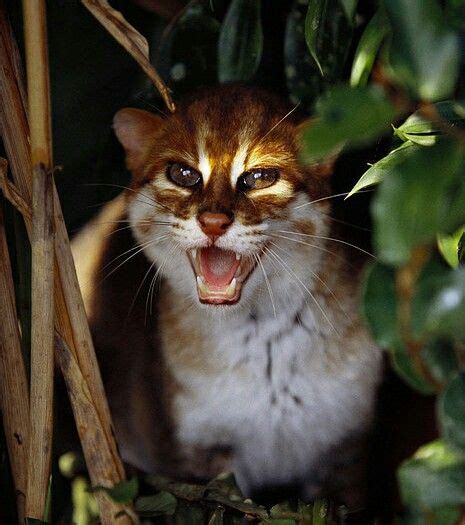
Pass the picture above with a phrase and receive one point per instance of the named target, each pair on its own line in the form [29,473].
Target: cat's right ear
[135,129]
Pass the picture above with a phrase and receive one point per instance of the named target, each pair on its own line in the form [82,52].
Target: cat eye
[257,179]
[183,175]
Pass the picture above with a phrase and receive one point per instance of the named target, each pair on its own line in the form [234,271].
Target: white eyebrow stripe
[238,163]
[162,183]
[204,164]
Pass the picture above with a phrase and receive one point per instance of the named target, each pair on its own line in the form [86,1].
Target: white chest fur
[279,391]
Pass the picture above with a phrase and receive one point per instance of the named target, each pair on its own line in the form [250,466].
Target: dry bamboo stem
[85,414]
[71,321]
[134,43]
[14,391]
[42,244]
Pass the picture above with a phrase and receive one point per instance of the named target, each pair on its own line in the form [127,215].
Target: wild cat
[223,304]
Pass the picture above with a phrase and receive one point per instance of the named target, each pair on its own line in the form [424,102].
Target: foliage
[413,302]
[217,502]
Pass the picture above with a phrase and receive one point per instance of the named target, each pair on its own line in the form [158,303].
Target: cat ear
[134,129]
[325,167]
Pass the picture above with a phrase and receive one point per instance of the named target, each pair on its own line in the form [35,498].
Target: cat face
[219,198]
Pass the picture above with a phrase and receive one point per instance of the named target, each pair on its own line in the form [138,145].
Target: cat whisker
[340,221]
[298,241]
[267,282]
[141,248]
[140,288]
[318,278]
[330,239]
[153,201]
[136,249]
[279,121]
[156,223]
[328,198]
[299,281]
[151,290]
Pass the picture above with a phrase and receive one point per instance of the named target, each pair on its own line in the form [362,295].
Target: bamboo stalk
[96,449]
[134,43]
[14,391]
[71,320]
[42,244]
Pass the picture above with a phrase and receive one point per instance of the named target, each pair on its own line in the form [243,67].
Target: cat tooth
[238,257]
[201,284]
[231,289]
[194,253]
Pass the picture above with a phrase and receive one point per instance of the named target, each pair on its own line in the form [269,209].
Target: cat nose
[214,224]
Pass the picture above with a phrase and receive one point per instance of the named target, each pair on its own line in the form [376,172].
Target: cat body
[230,338]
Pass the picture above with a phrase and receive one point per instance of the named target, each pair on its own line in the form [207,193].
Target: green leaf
[446,309]
[439,356]
[455,13]
[349,7]
[240,43]
[346,116]
[313,24]
[461,250]
[438,306]
[156,505]
[433,478]
[376,173]
[368,48]
[328,33]
[424,52]
[187,491]
[123,492]
[447,515]
[189,515]
[303,80]
[449,246]
[404,366]
[188,55]
[417,128]
[379,305]
[320,512]
[451,410]
[417,201]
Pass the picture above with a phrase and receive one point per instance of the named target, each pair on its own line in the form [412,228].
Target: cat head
[219,199]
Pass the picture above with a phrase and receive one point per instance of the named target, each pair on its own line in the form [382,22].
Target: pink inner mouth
[218,266]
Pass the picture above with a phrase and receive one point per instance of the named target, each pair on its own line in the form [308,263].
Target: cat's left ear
[135,129]
[322,168]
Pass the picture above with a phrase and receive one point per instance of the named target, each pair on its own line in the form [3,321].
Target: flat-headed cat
[224,313]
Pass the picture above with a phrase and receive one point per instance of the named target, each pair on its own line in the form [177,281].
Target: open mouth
[220,274]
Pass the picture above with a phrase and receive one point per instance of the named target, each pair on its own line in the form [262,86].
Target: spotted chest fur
[281,392]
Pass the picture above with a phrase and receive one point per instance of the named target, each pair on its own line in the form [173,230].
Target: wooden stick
[134,43]
[14,391]
[42,244]
[71,320]
[96,449]
[12,194]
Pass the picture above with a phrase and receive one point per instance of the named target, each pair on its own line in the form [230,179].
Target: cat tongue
[218,266]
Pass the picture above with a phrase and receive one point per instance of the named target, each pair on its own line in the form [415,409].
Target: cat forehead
[231,136]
